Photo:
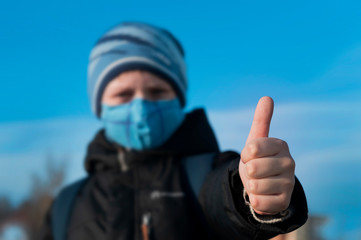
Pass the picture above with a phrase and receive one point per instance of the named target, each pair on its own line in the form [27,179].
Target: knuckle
[252,185]
[254,201]
[283,144]
[253,149]
[251,169]
[291,184]
[243,156]
[292,164]
[241,168]
[288,185]
[289,164]
[283,202]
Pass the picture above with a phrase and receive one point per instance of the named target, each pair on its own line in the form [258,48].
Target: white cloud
[25,146]
[309,126]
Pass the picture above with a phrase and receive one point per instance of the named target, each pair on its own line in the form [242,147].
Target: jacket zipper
[123,165]
[146,226]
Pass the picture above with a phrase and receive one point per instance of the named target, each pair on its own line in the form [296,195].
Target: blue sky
[306,55]
[232,49]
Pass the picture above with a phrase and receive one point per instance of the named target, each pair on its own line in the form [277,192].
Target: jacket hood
[194,136]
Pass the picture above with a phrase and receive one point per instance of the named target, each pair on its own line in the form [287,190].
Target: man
[156,172]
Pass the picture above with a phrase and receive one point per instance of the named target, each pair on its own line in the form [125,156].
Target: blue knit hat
[135,46]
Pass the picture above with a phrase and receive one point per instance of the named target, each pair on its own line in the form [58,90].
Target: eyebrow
[158,84]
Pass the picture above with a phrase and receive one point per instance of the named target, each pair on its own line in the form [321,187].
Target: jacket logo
[158,194]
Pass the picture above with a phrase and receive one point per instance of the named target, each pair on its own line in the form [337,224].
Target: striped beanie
[135,46]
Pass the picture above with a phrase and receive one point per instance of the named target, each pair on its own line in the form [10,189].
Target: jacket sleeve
[229,214]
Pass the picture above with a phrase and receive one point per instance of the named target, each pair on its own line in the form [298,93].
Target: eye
[125,94]
[158,91]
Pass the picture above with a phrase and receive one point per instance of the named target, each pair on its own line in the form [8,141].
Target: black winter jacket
[131,193]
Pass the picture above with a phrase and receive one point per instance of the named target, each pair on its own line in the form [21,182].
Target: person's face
[136,84]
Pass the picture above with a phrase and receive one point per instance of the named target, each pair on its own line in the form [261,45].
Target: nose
[140,93]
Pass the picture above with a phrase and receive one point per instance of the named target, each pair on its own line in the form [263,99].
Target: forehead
[139,78]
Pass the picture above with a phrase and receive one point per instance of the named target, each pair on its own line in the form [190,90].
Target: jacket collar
[195,136]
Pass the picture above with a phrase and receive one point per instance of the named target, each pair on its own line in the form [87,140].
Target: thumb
[261,120]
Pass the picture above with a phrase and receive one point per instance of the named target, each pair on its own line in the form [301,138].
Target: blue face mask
[142,124]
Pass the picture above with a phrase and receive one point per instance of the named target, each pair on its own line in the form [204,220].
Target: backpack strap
[62,208]
[197,167]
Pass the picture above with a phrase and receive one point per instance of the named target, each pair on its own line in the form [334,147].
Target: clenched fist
[266,167]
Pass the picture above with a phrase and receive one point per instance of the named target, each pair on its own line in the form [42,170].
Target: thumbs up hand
[266,167]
